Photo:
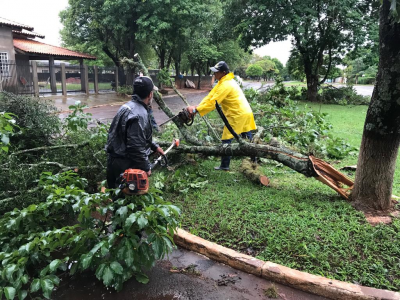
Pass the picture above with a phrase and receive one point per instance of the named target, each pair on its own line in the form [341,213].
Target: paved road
[184,275]
[110,103]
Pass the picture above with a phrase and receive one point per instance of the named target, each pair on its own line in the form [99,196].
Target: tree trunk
[312,88]
[199,81]
[162,58]
[381,137]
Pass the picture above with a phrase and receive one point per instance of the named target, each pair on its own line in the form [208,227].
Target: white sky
[40,14]
[43,16]
[279,50]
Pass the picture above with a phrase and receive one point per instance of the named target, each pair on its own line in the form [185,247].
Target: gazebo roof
[32,47]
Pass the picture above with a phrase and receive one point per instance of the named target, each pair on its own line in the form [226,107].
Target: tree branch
[45,148]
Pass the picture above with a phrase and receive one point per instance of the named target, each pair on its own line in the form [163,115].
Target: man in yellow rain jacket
[234,104]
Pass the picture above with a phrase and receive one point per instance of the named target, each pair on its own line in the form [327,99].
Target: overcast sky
[43,16]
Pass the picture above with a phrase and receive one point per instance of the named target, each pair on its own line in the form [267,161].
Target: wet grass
[297,221]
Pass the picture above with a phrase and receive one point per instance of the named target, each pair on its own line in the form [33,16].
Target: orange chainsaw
[136,182]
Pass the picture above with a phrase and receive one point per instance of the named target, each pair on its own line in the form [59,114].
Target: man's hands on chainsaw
[191,110]
[160,152]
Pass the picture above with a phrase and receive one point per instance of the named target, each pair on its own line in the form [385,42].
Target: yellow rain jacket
[234,104]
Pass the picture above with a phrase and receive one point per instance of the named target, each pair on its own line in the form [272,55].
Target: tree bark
[381,137]
[312,87]
[296,161]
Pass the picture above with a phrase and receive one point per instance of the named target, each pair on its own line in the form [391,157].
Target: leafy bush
[77,147]
[7,128]
[251,94]
[302,128]
[69,233]
[36,118]
[343,96]
[164,78]
[125,90]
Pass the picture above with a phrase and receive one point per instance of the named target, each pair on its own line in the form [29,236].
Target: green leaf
[9,292]
[54,279]
[129,258]
[99,271]
[108,276]
[35,285]
[47,287]
[10,271]
[130,220]
[22,294]
[122,211]
[54,265]
[116,267]
[158,247]
[142,221]
[142,278]
[87,259]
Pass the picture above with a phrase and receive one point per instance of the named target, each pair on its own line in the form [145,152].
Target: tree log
[251,171]
[289,158]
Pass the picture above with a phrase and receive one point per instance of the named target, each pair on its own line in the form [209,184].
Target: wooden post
[116,79]
[63,80]
[85,67]
[96,80]
[53,83]
[82,70]
[35,79]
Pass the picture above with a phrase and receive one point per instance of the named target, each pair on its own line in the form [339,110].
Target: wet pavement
[103,107]
[184,275]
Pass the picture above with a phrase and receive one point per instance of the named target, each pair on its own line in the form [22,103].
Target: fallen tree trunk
[296,161]
[309,166]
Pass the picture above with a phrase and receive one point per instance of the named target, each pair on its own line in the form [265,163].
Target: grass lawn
[292,83]
[77,86]
[297,221]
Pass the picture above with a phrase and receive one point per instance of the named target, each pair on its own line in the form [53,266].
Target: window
[4,64]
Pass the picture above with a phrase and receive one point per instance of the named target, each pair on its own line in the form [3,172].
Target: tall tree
[381,137]
[113,24]
[318,27]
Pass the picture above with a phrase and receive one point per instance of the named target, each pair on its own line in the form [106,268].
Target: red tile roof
[31,46]
[14,24]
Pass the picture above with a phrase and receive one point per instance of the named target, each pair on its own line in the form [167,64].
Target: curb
[330,288]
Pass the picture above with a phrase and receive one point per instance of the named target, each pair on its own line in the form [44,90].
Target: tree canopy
[317,28]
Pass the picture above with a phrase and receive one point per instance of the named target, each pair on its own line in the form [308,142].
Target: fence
[26,77]
[16,77]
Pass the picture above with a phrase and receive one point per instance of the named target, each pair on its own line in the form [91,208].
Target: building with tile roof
[19,47]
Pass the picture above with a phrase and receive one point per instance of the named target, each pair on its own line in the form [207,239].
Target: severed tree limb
[45,148]
[296,161]
[216,138]
[252,172]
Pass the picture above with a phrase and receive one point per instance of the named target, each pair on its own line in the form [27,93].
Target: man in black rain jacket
[130,138]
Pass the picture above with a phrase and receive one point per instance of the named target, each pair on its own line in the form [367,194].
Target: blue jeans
[226,160]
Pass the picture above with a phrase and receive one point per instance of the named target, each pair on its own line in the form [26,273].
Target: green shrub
[69,233]
[78,147]
[304,129]
[36,118]
[125,90]
[164,78]
[343,96]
